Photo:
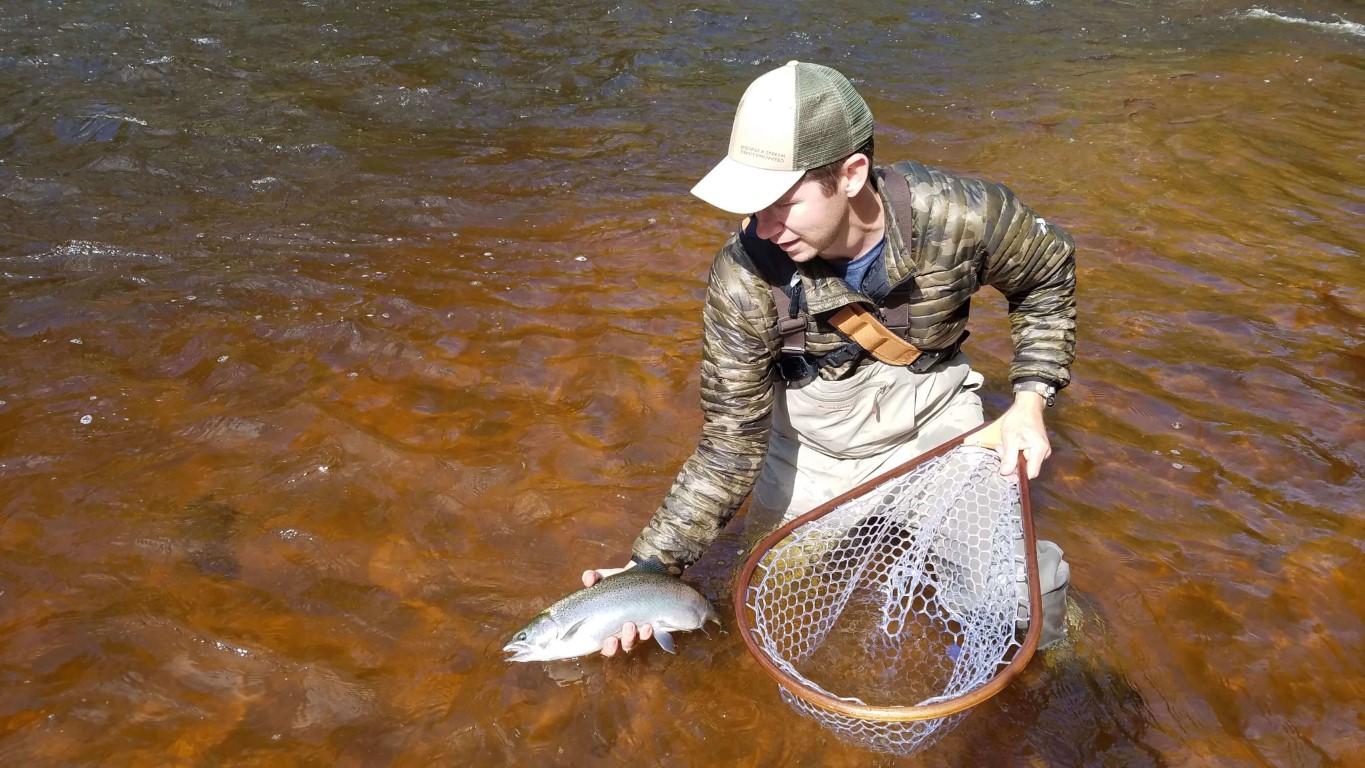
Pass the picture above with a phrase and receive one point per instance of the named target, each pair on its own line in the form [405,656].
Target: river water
[338,338]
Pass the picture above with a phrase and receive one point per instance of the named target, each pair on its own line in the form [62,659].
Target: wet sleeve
[1032,262]
[738,344]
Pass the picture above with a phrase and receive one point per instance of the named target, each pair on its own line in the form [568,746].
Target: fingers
[591,577]
[1036,450]
[1009,464]
[1009,456]
[610,646]
[623,642]
[1035,456]
[630,636]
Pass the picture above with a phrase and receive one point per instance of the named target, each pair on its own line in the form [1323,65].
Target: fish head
[533,642]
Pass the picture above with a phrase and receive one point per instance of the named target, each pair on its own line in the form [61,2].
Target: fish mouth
[519,652]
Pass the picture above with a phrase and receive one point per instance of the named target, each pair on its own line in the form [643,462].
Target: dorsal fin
[652,565]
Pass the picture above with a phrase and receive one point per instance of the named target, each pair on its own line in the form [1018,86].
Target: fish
[578,623]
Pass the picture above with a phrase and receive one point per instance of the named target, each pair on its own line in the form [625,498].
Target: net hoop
[895,714]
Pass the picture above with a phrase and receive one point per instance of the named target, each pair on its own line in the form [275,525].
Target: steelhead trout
[577,624]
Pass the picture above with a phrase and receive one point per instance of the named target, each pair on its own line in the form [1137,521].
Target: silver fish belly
[577,624]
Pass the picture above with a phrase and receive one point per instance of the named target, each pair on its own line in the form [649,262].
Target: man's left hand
[1021,428]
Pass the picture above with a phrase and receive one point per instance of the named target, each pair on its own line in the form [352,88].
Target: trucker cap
[792,119]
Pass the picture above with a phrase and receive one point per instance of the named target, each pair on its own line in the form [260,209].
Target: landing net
[890,611]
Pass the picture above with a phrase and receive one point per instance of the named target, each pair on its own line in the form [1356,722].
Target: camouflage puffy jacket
[965,234]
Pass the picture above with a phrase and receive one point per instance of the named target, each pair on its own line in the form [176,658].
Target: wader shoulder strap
[791,322]
[898,194]
[791,318]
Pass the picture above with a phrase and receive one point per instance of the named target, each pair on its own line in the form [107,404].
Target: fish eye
[520,636]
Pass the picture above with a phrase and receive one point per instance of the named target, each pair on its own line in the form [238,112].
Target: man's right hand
[630,634]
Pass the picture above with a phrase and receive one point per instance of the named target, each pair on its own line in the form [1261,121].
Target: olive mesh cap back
[832,120]
[792,119]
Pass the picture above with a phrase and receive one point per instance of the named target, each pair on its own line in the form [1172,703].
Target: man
[798,416]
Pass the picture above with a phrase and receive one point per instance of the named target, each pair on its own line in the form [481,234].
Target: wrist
[1034,392]
[1029,402]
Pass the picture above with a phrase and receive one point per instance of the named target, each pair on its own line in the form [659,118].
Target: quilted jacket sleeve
[1032,263]
[738,345]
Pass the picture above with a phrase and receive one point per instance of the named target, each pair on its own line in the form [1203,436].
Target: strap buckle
[796,369]
[931,357]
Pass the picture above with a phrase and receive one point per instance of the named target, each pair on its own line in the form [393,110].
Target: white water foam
[1341,25]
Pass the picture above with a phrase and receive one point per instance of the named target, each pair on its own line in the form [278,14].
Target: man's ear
[856,168]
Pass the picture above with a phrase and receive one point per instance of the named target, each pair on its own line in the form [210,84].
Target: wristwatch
[1048,391]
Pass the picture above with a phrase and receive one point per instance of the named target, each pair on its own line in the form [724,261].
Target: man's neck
[866,226]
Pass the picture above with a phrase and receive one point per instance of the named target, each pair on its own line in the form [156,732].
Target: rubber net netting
[904,596]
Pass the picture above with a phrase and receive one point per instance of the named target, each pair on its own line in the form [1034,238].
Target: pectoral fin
[567,632]
[665,641]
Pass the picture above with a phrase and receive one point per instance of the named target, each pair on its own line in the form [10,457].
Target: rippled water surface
[338,338]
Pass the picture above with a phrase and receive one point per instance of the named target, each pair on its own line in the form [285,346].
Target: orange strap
[861,326]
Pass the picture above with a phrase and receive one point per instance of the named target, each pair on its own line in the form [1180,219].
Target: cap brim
[744,189]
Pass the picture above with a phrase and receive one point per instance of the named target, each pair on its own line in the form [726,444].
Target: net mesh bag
[890,611]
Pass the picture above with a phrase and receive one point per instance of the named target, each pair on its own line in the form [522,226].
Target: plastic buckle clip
[796,369]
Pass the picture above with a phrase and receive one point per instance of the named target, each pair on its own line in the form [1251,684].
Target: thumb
[592,577]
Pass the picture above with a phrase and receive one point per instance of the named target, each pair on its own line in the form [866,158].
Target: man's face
[805,222]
